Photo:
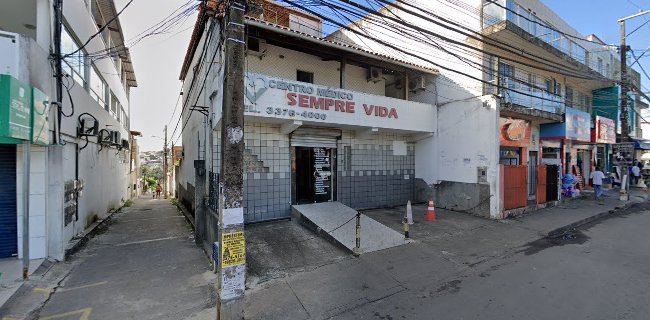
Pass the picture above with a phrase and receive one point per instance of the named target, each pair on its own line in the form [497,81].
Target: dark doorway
[8,204]
[552,184]
[313,175]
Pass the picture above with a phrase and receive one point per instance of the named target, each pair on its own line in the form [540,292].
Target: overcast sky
[157,61]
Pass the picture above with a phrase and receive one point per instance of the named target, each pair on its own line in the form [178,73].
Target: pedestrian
[158,191]
[636,173]
[597,177]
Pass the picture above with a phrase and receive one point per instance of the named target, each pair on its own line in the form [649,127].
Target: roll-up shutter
[315,137]
[8,217]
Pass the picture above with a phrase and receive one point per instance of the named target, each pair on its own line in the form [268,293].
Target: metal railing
[526,96]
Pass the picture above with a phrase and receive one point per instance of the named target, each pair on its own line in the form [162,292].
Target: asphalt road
[601,272]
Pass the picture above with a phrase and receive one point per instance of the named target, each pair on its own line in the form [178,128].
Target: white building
[98,85]
[511,72]
[324,121]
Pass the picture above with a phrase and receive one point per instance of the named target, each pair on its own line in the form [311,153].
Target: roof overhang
[108,11]
[328,49]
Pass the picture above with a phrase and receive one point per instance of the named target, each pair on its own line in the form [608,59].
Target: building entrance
[313,173]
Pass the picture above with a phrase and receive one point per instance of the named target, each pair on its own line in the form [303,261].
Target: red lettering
[328,103]
[339,105]
[368,108]
[303,101]
[349,107]
[382,112]
[392,113]
[292,99]
[316,103]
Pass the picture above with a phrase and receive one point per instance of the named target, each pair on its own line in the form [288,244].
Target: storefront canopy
[640,144]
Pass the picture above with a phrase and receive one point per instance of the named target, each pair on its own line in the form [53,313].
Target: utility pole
[625,128]
[165,164]
[231,267]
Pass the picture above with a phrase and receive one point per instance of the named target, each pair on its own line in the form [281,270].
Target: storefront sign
[578,125]
[509,154]
[270,97]
[515,132]
[15,110]
[322,173]
[623,154]
[605,131]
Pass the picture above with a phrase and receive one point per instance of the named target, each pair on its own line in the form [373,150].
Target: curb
[596,217]
[77,243]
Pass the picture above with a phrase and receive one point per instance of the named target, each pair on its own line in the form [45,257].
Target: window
[599,65]
[581,102]
[115,107]
[568,101]
[607,70]
[548,84]
[98,88]
[506,74]
[304,76]
[532,81]
[74,65]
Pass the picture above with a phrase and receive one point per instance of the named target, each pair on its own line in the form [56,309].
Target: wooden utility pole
[231,266]
[165,166]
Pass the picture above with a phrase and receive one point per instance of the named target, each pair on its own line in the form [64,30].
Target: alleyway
[143,265]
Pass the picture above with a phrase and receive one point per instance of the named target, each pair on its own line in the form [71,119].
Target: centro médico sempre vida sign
[279,98]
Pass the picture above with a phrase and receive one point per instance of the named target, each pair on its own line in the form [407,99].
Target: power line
[100,30]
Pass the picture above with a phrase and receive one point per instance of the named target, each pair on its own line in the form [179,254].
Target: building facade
[80,160]
[323,122]
[542,78]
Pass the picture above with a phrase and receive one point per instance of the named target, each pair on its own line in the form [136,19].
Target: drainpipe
[26,170]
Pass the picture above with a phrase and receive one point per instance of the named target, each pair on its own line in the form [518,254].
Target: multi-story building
[324,121]
[521,78]
[80,156]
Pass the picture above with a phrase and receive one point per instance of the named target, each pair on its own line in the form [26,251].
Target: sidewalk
[142,265]
[453,247]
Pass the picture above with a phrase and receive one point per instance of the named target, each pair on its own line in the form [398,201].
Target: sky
[157,60]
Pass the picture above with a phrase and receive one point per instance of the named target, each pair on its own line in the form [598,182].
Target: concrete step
[337,222]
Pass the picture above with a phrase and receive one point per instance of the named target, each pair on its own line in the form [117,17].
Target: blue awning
[641,144]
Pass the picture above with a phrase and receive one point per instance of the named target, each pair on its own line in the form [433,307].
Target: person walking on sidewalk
[597,177]
[636,172]
[158,191]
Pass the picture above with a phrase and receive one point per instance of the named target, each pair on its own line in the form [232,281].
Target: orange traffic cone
[431,212]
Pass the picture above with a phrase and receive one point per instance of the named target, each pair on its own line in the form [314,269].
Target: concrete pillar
[43,23]
[200,210]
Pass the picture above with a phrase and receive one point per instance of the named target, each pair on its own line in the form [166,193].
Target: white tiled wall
[37,197]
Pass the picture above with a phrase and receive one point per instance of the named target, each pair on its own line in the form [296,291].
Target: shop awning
[640,144]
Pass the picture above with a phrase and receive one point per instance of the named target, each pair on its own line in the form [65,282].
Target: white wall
[37,200]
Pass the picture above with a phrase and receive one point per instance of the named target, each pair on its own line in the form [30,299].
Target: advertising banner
[270,97]
[514,132]
[605,130]
[578,125]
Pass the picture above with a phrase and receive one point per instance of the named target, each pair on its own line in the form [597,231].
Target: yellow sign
[233,249]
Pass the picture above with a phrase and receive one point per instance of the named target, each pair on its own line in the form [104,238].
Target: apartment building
[80,157]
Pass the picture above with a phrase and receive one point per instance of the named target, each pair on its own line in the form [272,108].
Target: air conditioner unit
[418,83]
[375,74]
[88,127]
[256,47]
[125,144]
[105,136]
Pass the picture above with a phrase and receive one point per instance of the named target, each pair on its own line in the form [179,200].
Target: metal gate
[515,187]
[8,214]
[541,184]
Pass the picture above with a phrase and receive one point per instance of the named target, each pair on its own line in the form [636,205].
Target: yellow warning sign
[233,249]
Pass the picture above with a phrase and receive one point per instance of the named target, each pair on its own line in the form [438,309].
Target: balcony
[508,21]
[523,101]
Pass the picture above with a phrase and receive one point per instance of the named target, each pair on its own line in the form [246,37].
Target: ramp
[338,222]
